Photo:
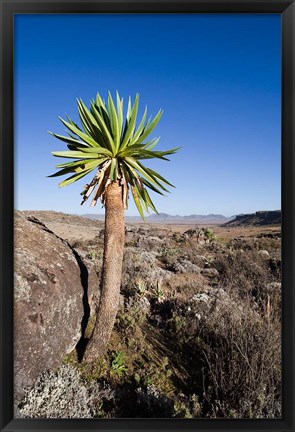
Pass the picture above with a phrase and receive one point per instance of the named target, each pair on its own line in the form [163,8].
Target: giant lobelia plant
[114,147]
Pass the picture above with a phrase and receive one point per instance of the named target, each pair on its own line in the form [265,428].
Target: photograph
[147,221]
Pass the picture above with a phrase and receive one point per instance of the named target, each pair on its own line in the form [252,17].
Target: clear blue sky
[217,78]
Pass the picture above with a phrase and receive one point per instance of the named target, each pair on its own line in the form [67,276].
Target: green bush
[118,363]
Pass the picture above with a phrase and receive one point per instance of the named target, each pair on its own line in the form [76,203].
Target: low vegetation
[197,335]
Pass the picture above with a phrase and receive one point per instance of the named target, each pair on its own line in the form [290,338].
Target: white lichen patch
[63,395]
[201,297]
[22,289]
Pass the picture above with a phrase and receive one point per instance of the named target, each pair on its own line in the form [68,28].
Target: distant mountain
[166,218]
[271,217]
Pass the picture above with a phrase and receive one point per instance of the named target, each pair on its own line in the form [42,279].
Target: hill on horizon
[172,219]
[264,217]
[259,218]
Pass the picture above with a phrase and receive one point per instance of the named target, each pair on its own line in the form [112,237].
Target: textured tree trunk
[114,239]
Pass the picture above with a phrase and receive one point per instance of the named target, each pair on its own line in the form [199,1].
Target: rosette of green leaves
[115,147]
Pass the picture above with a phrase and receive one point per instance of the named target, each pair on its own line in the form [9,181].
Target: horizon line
[152,214]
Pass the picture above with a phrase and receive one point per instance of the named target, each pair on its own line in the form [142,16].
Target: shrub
[168,257]
[239,356]
[231,354]
[139,265]
[131,316]
[153,403]
[245,272]
[209,234]
[118,363]
[243,367]
[63,394]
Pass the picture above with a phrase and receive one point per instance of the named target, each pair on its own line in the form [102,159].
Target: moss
[90,327]
[71,358]
[95,371]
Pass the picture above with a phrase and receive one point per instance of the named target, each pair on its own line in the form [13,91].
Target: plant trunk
[114,239]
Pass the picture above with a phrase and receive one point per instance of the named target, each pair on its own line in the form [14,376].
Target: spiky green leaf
[140,128]
[131,123]
[74,178]
[74,154]
[151,186]
[137,202]
[86,138]
[149,128]
[70,140]
[119,114]
[114,122]
[145,172]
[105,129]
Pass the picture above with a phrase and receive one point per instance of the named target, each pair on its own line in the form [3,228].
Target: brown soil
[72,227]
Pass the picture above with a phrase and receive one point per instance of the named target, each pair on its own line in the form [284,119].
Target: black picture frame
[287,11]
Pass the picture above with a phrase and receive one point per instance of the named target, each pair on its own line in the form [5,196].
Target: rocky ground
[197,334]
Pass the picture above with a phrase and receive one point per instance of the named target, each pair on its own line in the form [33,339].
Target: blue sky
[217,78]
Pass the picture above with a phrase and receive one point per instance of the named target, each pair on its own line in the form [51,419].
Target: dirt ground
[74,228]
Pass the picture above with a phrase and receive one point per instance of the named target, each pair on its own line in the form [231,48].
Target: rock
[163,233]
[217,301]
[210,272]
[273,235]
[200,260]
[201,297]
[273,286]
[144,304]
[138,302]
[142,264]
[264,253]
[150,243]
[141,238]
[54,291]
[185,266]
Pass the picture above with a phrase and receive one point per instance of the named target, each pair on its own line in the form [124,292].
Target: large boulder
[54,294]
